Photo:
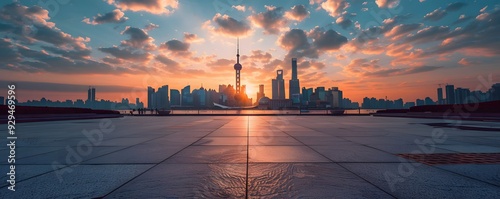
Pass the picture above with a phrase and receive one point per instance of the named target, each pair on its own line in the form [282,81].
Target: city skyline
[366,48]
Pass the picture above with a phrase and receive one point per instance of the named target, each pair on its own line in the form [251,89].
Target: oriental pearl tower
[237,67]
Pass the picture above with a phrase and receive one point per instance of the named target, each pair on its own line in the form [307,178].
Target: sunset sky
[374,48]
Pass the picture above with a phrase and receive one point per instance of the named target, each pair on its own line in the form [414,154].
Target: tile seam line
[140,174]
[337,163]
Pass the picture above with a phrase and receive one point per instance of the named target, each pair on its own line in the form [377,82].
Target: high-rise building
[260,94]
[294,85]
[186,97]
[91,97]
[321,93]
[462,95]
[495,92]
[238,67]
[398,104]
[337,97]
[306,95]
[161,98]
[175,97]
[93,94]
[151,98]
[2,101]
[279,86]
[420,102]
[450,94]
[440,96]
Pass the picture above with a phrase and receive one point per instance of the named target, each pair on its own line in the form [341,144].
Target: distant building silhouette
[2,100]
[260,94]
[306,95]
[161,98]
[175,97]
[429,101]
[336,97]
[186,97]
[495,92]
[91,97]
[450,94]
[440,96]
[320,93]
[462,95]
[278,86]
[420,102]
[151,97]
[294,85]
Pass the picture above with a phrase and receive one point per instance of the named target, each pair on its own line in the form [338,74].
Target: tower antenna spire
[238,50]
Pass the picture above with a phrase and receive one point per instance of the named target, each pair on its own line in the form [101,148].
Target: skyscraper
[175,97]
[161,98]
[450,94]
[186,97]
[294,85]
[279,86]
[91,97]
[93,94]
[337,97]
[440,96]
[260,94]
[238,67]
[462,95]
[306,95]
[151,96]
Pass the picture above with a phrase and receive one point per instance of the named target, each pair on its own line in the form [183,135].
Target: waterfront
[254,156]
[258,112]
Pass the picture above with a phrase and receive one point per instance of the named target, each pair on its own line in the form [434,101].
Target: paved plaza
[252,156]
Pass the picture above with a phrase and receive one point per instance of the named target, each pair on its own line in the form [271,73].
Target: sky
[375,48]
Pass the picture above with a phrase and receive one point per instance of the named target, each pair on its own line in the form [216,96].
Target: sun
[250,90]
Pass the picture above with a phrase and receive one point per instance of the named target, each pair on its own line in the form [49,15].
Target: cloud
[435,15]
[429,34]
[127,54]
[343,22]
[240,8]
[401,71]
[170,64]
[192,38]
[462,19]
[228,26]
[438,14]
[59,52]
[139,39]
[335,7]
[176,45]
[371,68]
[61,87]
[311,64]
[455,6]
[387,3]
[396,32]
[258,56]
[327,40]
[115,16]
[272,20]
[151,6]
[297,44]
[468,62]
[296,41]
[151,26]
[297,13]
